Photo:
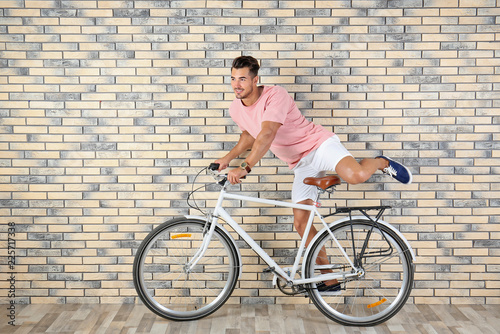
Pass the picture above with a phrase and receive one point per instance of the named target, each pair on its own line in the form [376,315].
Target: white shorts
[316,164]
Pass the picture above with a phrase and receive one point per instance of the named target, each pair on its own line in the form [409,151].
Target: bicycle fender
[380,221]
[230,237]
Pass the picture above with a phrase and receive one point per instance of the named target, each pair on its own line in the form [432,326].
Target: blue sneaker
[397,171]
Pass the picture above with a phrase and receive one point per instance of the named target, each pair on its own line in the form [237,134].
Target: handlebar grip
[213,166]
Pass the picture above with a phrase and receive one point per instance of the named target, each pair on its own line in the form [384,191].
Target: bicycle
[187,267]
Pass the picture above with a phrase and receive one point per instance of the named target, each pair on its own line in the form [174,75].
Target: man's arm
[259,148]
[263,142]
[244,143]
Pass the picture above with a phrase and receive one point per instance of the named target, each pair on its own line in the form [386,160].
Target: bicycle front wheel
[165,282]
[384,273]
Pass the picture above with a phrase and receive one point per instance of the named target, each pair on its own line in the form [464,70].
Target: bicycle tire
[160,276]
[385,285]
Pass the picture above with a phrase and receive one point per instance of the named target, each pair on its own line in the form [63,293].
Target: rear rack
[361,209]
[363,251]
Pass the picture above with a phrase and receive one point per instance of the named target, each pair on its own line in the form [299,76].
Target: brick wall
[109,108]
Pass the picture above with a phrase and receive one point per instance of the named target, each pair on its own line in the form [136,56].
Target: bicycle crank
[284,285]
[290,290]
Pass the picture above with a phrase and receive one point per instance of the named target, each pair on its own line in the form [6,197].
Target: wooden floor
[230,319]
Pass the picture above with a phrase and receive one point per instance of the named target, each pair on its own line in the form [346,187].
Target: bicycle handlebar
[214,166]
[221,179]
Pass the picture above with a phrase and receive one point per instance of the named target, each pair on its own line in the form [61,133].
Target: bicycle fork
[203,248]
[212,220]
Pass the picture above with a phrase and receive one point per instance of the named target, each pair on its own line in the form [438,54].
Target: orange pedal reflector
[383,300]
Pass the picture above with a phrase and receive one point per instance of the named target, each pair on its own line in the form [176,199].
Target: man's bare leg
[354,172]
[300,222]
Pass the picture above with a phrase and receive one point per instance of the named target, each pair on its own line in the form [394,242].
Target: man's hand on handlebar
[222,164]
[235,175]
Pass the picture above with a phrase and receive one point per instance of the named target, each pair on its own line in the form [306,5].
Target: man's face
[242,82]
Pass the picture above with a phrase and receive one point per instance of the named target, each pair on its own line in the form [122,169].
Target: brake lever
[213,170]
[213,167]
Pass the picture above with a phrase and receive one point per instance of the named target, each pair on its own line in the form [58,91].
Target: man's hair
[247,61]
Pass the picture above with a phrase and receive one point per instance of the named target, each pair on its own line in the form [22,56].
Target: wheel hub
[361,273]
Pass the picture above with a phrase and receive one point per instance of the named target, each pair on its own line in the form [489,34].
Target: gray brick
[172,162]
[21,71]
[443,268]
[59,12]
[242,30]
[423,79]
[185,21]
[487,145]
[275,228]
[59,62]
[486,243]
[435,236]
[364,137]
[6,203]
[46,268]
[45,236]
[421,146]
[458,46]
[205,12]
[241,46]
[400,37]
[170,29]
[134,96]
[386,29]
[29,179]
[400,203]
[65,277]
[44,252]
[469,203]
[332,71]
[63,96]
[98,146]
[312,12]
[204,63]
[471,170]
[432,284]
[131,12]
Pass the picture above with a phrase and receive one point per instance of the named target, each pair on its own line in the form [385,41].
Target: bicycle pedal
[302,290]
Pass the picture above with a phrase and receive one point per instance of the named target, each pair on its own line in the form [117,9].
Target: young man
[269,119]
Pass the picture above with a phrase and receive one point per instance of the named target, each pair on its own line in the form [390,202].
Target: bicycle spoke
[385,259]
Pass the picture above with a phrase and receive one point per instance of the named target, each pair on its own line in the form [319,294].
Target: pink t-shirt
[295,139]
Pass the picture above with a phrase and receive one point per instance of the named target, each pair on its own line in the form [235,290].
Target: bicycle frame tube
[219,211]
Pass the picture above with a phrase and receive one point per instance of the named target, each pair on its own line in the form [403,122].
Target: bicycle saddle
[323,182]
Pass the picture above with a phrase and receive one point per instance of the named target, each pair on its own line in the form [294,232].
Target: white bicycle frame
[290,278]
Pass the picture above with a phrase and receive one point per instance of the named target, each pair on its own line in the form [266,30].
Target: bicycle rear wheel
[166,285]
[386,273]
